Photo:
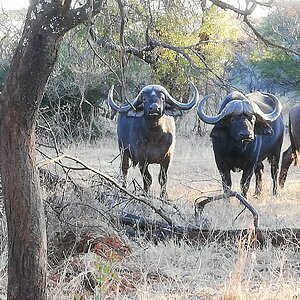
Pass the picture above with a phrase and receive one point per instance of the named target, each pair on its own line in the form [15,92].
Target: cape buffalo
[146,131]
[248,129]
[291,153]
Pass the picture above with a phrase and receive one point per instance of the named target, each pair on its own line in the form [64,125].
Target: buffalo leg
[275,165]
[287,159]
[163,176]
[274,172]
[259,171]
[124,168]
[226,181]
[147,179]
[225,174]
[245,181]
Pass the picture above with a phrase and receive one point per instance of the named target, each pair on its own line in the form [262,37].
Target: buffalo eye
[232,119]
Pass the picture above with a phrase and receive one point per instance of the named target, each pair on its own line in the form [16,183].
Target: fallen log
[161,231]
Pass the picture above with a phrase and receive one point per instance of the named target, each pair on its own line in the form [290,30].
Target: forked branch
[84,166]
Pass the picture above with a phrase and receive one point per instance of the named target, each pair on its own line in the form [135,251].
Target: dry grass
[177,270]
[170,269]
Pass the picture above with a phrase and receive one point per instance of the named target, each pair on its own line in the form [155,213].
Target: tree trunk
[46,23]
[21,97]
[27,249]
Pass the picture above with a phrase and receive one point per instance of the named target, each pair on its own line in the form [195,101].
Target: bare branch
[122,52]
[81,14]
[224,5]
[140,53]
[261,3]
[251,237]
[147,56]
[102,60]
[249,11]
[199,206]
[266,41]
[85,166]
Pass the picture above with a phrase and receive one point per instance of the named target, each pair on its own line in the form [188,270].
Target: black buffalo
[146,131]
[248,129]
[291,153]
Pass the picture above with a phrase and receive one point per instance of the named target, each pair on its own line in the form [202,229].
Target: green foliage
[106,275]
[282,27]
[81,79]
[207,39]
[174,27]
[193,45]
[223,31]
[172,68]
[276,65]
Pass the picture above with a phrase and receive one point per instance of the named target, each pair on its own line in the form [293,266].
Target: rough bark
[45,25]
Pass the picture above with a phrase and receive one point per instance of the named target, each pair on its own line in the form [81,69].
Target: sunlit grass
[179,270]
[172,269]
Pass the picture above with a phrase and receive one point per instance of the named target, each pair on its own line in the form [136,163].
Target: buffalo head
[153,101]
[240,116]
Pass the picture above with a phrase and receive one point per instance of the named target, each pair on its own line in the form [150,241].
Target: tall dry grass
[80,205]
[179,270]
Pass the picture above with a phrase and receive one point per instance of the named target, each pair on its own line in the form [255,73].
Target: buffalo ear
[263,129]
[135,113]
[173,111]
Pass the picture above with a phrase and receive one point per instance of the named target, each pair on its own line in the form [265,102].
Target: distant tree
[202,44]
[11,23]
[276,65]
[176,40]
[46,23]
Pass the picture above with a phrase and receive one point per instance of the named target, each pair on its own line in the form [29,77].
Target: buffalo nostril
[154,107]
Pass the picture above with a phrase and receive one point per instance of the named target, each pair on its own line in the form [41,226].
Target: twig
[267,42]
[247,12]
[111,180]
[244,12]
[102,60]
[200,205]
[114,158]
[50,161]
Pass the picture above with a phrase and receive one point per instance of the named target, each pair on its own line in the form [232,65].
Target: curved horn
[233,107]
[209,119]
[277,107]
[183,106]
[245,105]
[124,107]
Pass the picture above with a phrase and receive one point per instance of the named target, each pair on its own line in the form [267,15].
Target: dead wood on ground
[160,231]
